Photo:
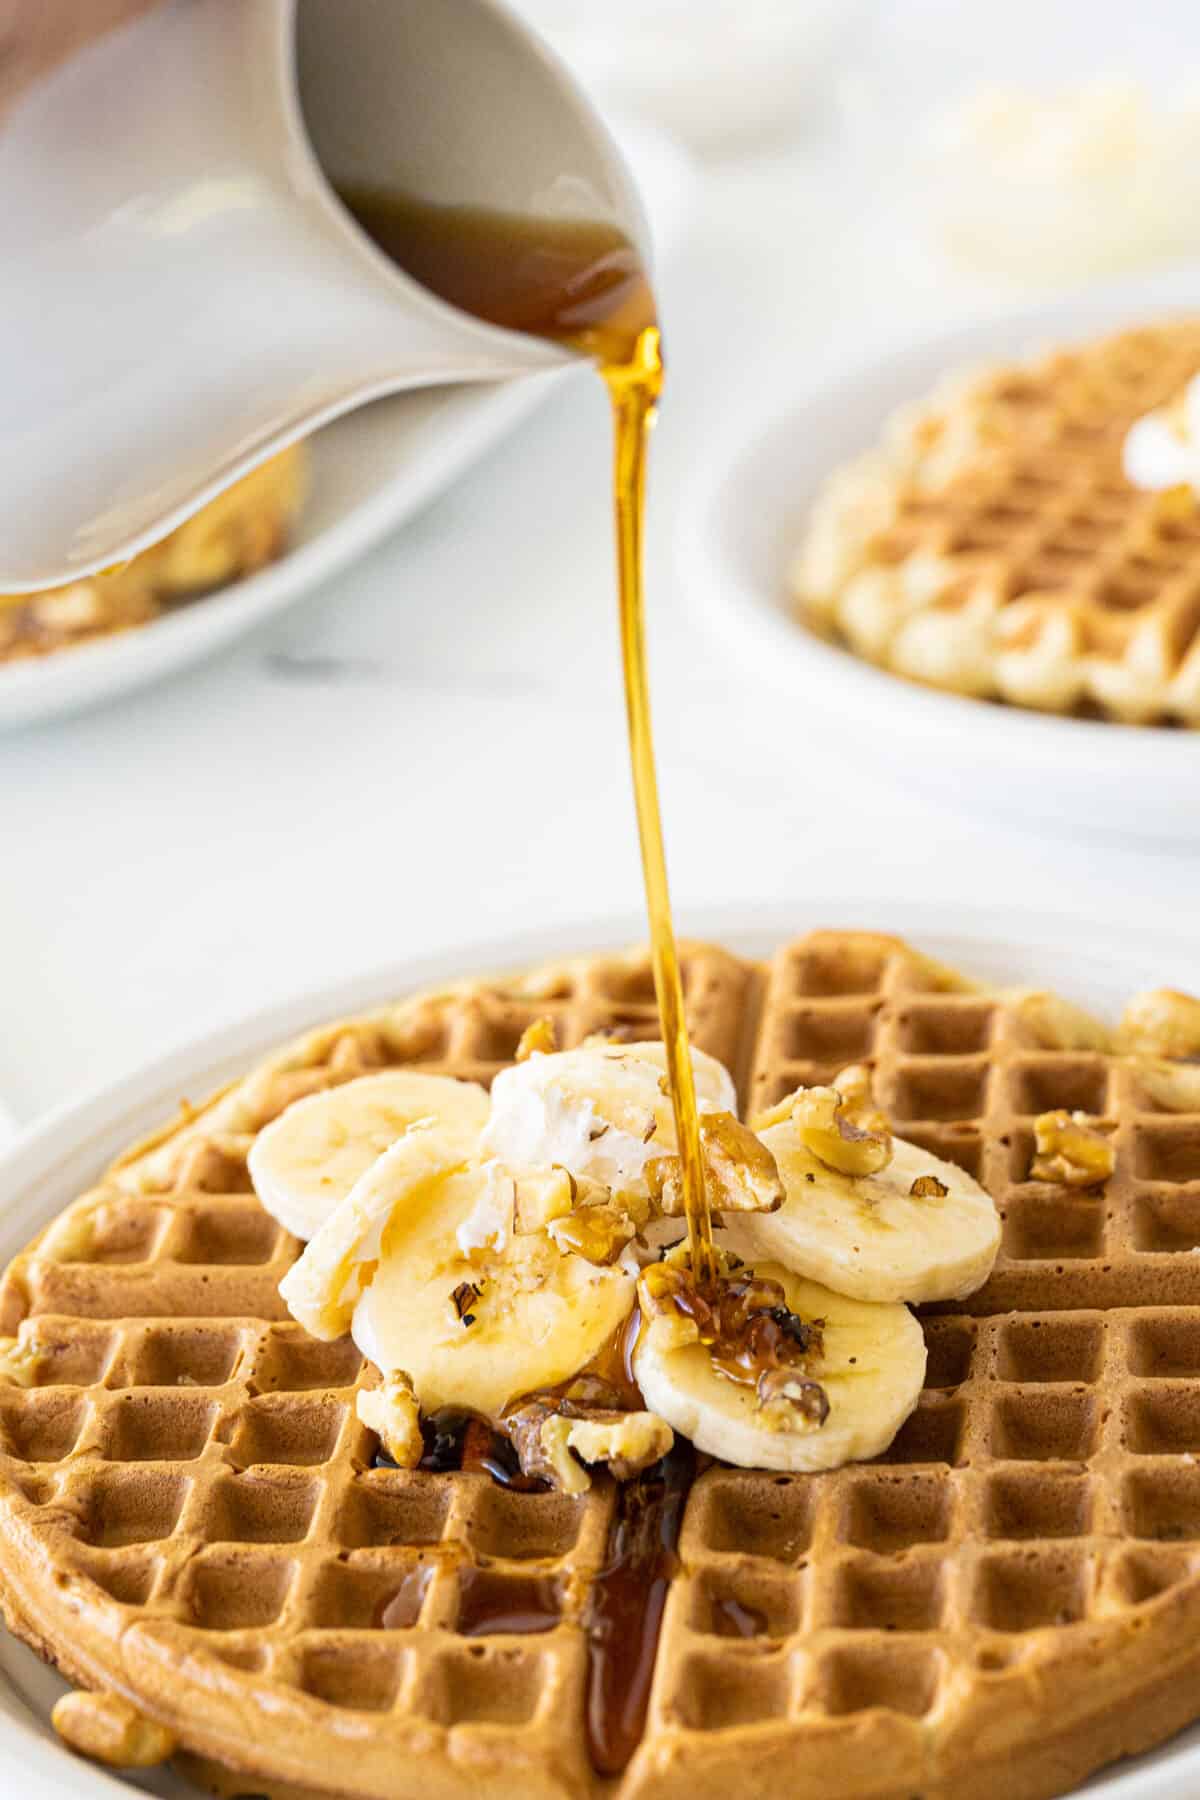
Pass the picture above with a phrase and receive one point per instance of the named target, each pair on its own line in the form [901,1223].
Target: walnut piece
[627,1442]
[854,1084]
[543,1195]
[928,1187]
[391,1412]
[741,1173]
[825,1130]
[790,1402]
[596,1230]
[538,1039]
[1162,1022]
[660,1288]
[1070,1151]
[110,1729]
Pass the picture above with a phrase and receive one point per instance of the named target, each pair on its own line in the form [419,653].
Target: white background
[431,749]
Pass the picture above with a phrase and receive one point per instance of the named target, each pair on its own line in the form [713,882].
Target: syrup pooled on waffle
[200,1532]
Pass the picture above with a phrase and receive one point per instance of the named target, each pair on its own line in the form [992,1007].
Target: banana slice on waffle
[425,1261]
[851,1379]
[307,1160]
[916,1228]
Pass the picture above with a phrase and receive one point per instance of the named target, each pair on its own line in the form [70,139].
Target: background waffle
[244,528]
[1006,1600]
[992,544]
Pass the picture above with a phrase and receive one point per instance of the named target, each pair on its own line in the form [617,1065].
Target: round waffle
[992,545]
[190,1516]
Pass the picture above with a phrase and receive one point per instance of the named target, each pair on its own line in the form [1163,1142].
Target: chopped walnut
[928,1187]
[391,1411]
[109,1729]
[743,1176]
[586,1416]
[825,1130]
[663,1289]
[543,1195]
[596,1230]
[627,1442]
[741,1173]
[790,1402]
[1161,1023]
[464,1299]
[18,1362]
[1070,1151]
[538,1039]
[858,1101]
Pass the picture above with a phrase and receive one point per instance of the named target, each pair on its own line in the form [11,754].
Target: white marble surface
[431,750]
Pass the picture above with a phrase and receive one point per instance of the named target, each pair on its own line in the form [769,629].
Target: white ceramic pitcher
[181,291]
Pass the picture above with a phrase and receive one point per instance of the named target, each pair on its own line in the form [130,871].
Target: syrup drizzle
[583,285]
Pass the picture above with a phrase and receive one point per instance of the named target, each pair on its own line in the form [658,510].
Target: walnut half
[741,1173]
[825,1128]
[391,1411]
[1070,1151]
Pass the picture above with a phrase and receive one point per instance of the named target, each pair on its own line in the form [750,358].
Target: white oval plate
[370,471]
[748,517]
[49,1164]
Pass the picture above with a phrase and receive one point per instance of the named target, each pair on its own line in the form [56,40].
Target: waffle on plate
[240,531]
[191,1517]
[992,545]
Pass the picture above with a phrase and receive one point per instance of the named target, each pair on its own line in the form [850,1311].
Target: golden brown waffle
[992,544]
[243,529]
[1006,1600]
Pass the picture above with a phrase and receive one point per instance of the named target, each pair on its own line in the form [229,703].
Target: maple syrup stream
[583,285]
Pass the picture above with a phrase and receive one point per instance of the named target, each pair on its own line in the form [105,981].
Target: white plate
[371,470]
[748,517]
[50,1164]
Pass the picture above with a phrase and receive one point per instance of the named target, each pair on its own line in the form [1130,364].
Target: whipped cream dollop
[1162,449]
[602,1111]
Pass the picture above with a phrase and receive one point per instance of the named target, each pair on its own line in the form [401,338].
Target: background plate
[51,1163]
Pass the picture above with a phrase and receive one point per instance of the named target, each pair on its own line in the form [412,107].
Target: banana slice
[870,1366]
[920,1229]
[476,1326]
[601,1111]
[304,1163]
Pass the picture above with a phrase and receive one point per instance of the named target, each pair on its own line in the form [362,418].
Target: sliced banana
[323,1287]
[871,1367]
[474,1327]
[601,1111]
[305,1162]
[920,1229]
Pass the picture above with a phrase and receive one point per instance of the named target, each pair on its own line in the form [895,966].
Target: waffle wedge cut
[242,530]
[193,1527]
[991,544]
